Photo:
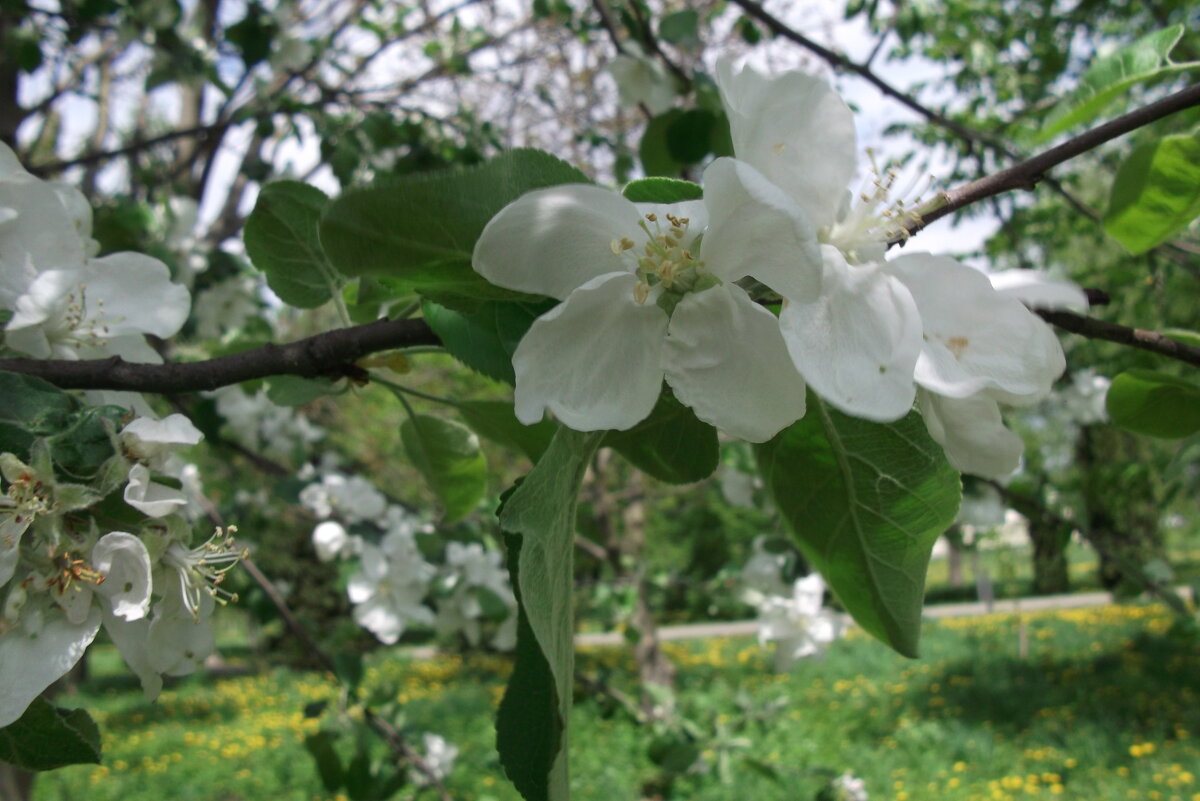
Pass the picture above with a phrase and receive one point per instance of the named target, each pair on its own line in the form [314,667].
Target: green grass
[1104,704]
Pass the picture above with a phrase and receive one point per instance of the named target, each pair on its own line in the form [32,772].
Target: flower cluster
[64,574]
[653,292]
[66,303]
[62,578]
[395,586]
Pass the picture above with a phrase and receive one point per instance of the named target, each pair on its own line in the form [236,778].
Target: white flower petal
[975,338]
[551,241]
[857,343]
[725,358]
[11,532]
[756,229]
[595,360]
[177,644]
[148,438]
[125,564]
[642,81]
[130,639]
[329,538]
[972,433]
[117,286]
[32,661]
[795,129]
[1039,291]
[149,498]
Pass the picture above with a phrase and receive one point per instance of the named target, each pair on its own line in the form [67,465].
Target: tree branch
[201,132]
[1028,173]
[329,354]
[1139,338]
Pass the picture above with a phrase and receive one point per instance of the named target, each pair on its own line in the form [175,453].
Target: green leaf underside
[866,502]
[529,726]
[282,241]
[293,390]
[661,190]
[397,226]
[447,454]
[542,511]
[1108,77]
[79,438]
[46,737]
[1156,192]
[494,420]
[672,444]
[486,338]
[329,765]
[1155,404]
[653,150]
[1184,335]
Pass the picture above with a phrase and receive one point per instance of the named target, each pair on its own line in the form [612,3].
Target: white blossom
[66,303]
[645,299]
[388,591]
[642,81]
[798,625]
[439,760]
[854,332]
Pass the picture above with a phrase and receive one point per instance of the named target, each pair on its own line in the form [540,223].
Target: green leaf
[1184,335]
[681,28]
[1109,77]
[486,338]
[282,241]
[653,151]
[293,390]
[1156,193]
[531,730]
[661,190]
[495,420]
[672,444]
[46,737]
[866,502]
[690,135]
[448,455]
[329,765]
[1153,403]
[398,226]
[529,725]
[79,438]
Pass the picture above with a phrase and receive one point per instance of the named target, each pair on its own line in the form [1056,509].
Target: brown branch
[1028,173]
[201,132]
[331,354]
[1139,338]
[970,136]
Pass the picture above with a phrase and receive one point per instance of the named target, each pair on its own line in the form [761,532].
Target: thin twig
[386,731]
[1028,173]
[200,131]
[1139,338]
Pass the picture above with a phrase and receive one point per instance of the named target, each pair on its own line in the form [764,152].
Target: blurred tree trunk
[1122,494]
[1050,539]
[619,519]
[15,784]
[954,556]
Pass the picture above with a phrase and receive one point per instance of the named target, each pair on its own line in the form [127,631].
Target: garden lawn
[1099,703]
